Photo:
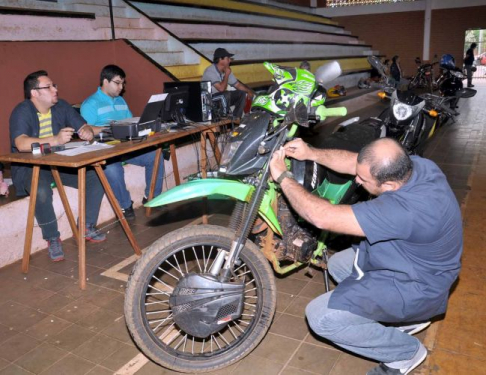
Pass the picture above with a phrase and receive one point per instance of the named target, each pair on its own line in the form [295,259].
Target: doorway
[477,36]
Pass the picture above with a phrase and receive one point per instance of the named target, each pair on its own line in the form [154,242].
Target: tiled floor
[49,326]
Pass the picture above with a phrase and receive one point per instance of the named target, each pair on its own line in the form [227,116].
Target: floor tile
[42,357]
[48,327]
[276,348]
[121,357]
[6,333]
[98,348]
[284,300]
[3,363]
[118,331]
[14,370]
[298,305]
[69,365]
[17,346]
[72,337]
[99,320]
[290,286]
[290,326]
[98,370]
[348,364]
[52,303]
[314,358]
[19,317]
[76,311]
[255,365]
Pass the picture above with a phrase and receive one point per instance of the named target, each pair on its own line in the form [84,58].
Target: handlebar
[324,112]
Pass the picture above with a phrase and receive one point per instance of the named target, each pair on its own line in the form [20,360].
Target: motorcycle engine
[203,305]
[297,242]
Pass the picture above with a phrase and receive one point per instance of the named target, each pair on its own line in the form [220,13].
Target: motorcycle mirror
[376,63]
[328,72]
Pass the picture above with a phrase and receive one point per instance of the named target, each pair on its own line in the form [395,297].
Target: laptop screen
[153,108]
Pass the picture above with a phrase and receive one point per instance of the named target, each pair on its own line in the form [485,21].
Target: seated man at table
[99,109]
[44,118]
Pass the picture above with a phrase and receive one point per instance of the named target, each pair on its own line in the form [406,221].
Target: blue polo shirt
[411,256]
[99,109]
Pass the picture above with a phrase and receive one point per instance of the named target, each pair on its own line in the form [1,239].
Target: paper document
[84,148]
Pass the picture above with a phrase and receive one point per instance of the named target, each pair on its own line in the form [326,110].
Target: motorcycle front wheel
[149,317]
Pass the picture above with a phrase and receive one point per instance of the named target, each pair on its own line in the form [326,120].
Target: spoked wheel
[158,276]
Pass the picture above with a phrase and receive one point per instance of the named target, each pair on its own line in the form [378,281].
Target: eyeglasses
[119,83]
[46,87]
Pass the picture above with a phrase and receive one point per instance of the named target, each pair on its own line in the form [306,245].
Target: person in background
[468,63]
[220,75]
[107,105]
[44,118]
[305,65]
[375,76]
[388,277]
[3,184]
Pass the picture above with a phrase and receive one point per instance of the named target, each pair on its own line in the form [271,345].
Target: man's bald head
[387,159]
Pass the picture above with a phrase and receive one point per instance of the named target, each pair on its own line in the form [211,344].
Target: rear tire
[148,314]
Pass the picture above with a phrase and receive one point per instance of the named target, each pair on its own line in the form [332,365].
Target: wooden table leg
[65,202]
[117,209]
[153,181]
[82,226]
[30,218]
[175,166]
[204,161]
[214,145]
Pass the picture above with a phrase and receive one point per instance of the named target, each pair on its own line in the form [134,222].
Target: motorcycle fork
[224,265]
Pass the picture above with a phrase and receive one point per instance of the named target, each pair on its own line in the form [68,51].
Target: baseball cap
[221,52]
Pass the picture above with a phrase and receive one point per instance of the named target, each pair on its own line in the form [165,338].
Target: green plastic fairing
[215,186]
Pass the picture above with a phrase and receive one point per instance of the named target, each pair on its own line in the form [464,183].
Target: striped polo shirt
[99,109]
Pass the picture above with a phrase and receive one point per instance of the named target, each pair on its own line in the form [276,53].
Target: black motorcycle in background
[412,119]
[424,78]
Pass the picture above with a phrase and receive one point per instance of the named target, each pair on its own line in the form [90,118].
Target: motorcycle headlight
[402,111]
[228,154]
[458,75]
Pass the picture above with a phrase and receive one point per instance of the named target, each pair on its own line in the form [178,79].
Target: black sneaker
[129,212]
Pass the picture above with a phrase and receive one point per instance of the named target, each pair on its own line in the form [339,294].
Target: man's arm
[223,85]
[340,161]
[315,210]
[319,212]
[23,142]
[244,88]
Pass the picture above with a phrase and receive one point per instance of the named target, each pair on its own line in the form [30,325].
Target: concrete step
[30,4]
[122,33]
[177,12]
[173,58]
[126,23]
[103,11]
[263,51]
[152,46]
[188,31]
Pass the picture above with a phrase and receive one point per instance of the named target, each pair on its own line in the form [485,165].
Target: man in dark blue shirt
[44,118]
[402,271]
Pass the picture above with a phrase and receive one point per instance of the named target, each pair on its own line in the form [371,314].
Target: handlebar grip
[324,112]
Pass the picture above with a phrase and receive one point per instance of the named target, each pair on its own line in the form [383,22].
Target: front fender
[215,186]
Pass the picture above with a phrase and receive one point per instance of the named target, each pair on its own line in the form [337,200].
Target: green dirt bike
[203,297]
